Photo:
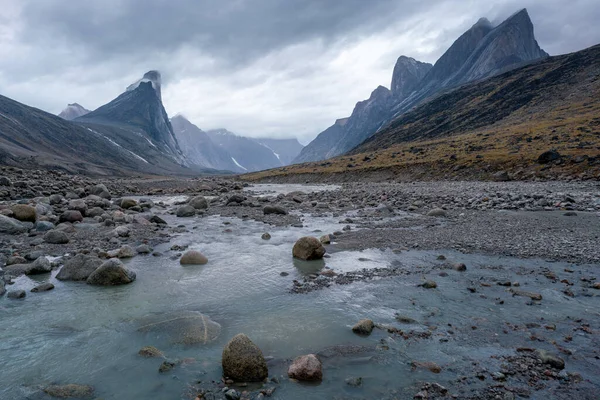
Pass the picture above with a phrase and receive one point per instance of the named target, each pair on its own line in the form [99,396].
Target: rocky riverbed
[475,289]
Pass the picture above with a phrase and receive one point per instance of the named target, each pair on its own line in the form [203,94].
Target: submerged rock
[363,327]
[111,273]
[243,361]
[193,257]
[184,327]
[306,368]
[150,352]
[308,248]
[16,294]
[70,391]
[166,366]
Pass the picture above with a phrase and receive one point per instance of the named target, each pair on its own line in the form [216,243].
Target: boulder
[44,226]
[274,210]
[71,216]
[193,257]
[39,266]
[122,231]
[236,198]
[55,199]
[2,287]
[16,294]
[363,327]
[155,219]
[44,287]
[4,181]
[94,212]
[70,391]
[325,239]
[185,211]
[111,273]
[436,212]
[243,361]
[548,156]
[198,202]
[99,189]
[78,205]
[182,327]
[308,248]
[79,268]
[128,203]
[11,225]
[24,212]
[266,236]
[12,260]
[306,368]
[56,237]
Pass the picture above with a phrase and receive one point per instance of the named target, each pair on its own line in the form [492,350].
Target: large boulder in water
[308,248]
[198,202]
[193,257]
[79,268]
[243,361]
[111,273]
[24,212]
[183,327]
[185,211]
[306,368]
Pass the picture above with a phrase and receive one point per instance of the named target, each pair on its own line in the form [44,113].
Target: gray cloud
[259,67]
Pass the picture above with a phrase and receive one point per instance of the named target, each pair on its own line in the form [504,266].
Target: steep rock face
[73,111]
[367,118]
[248,154]
[284,149]
[140,107]
[407,75]
[318,148]
[199,148]
[481,52]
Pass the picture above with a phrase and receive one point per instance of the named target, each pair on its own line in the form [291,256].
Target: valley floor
[518,319]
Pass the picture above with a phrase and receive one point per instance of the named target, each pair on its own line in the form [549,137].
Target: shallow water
[88,335]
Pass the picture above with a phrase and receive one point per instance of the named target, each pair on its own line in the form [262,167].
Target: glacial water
[82,334]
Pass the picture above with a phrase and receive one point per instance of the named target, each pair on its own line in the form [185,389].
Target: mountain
[481,52]
[318,148]
[198,147]
[286,150]
[73,111]
[247,153]
[32,138]
[500,128]
[138,113]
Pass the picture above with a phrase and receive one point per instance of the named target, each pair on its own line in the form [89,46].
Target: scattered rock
[431,366]
[40,266]
[193,257]
[531,295]
[551,359]
[44,287]
[363,327]
[11,225]
[110,273]
[71,216]
[436,212]
[128,203]
[325,239]
[308,248]
[429,284]
[16,294]
[166,366]
[266,236]
[269,209]
[198,202]
[56,237]
[459,267]
[306,368]
[70,391]
[548,156]
[236,198]
[243,361]
[78,268]
[24,212]
[150,352]
[185,211]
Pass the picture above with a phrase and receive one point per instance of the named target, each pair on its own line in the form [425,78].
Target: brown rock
[306,368]
[308,248]
[193,257]
[243,361]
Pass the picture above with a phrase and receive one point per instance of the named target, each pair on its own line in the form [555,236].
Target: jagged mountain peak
[408,72]
[72,111]
[483,22]
[153,77]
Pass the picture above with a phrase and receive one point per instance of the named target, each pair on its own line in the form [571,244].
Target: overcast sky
[279,68]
